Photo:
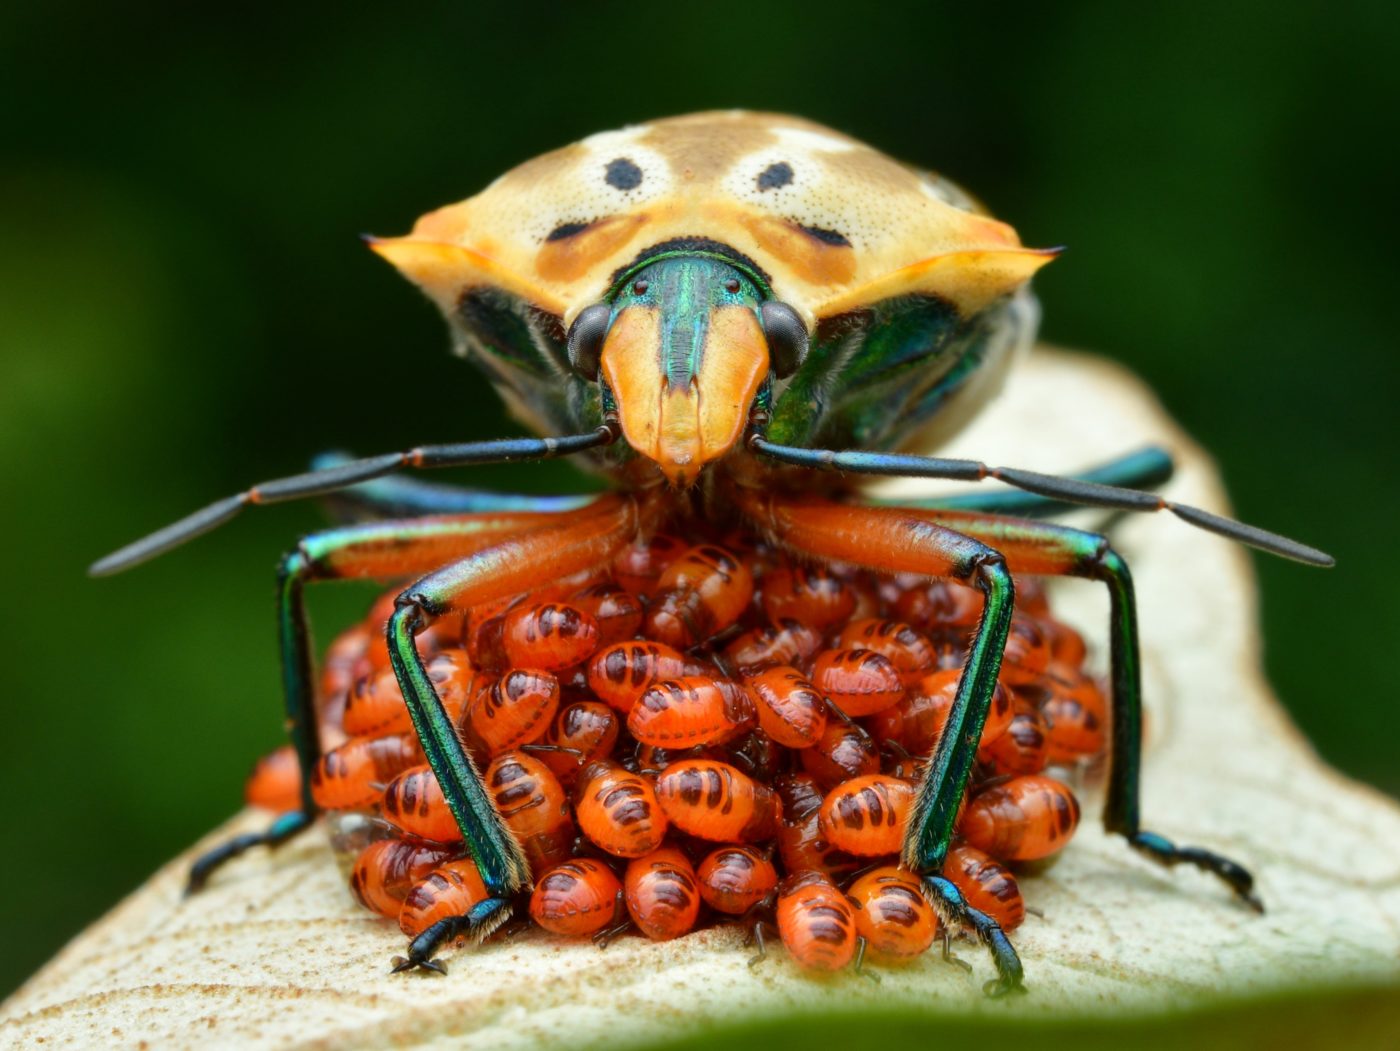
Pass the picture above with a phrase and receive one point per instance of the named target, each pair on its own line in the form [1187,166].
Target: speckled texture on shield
[274,953]
[833,223]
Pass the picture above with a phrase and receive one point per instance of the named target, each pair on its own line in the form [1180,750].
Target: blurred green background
[184,309]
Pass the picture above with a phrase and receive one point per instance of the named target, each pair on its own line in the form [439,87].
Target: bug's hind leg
[1039,548]
[1165,852]
[299,699]
[955,910]
[285,827]
[475,925]
[582,540]
[383,549]
[893,540]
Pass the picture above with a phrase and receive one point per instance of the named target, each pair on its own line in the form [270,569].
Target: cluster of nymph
[705,733]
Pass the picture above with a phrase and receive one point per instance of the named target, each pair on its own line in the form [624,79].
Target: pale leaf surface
[275,953]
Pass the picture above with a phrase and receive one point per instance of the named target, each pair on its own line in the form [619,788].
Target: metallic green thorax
[685,290]
[877,375]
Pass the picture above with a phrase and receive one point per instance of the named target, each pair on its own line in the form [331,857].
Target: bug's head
[684,342]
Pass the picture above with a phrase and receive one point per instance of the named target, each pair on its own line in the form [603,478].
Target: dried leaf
[275,952]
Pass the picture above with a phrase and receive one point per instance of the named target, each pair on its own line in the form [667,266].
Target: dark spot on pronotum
[826,237]
[623,174]
[566,230]
[775,176]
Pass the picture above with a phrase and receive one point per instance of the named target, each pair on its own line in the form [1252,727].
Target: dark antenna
[1087,494]
[342,476]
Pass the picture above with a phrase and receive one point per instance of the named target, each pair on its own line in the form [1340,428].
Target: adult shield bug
[733,316]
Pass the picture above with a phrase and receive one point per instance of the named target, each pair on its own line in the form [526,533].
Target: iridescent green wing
[877,375]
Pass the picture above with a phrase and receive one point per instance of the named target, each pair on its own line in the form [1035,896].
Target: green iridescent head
[685,341]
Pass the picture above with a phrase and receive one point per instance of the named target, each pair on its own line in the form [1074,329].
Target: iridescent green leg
[1049,550]
[950,767]
[384,549]
[399,496]
[889,540]
[583,540]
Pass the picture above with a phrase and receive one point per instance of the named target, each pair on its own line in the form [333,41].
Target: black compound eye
[640,287]
[732,285]
[586,336]
[787,337]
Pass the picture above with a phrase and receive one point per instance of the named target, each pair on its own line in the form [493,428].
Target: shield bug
[734,317]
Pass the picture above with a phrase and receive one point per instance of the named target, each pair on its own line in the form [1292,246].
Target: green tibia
[497,855]
[298,689]
[950,765]
[1122,810]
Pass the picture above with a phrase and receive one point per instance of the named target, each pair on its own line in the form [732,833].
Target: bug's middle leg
[1039,548]
[378,550]
[894,541]
[587,539]
[403,496]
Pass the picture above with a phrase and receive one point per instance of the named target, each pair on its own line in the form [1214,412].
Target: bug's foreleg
[1147,468]
[380,550]
[582,541]
[475,925]
[890,540]
[399,496]
[1039,548]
